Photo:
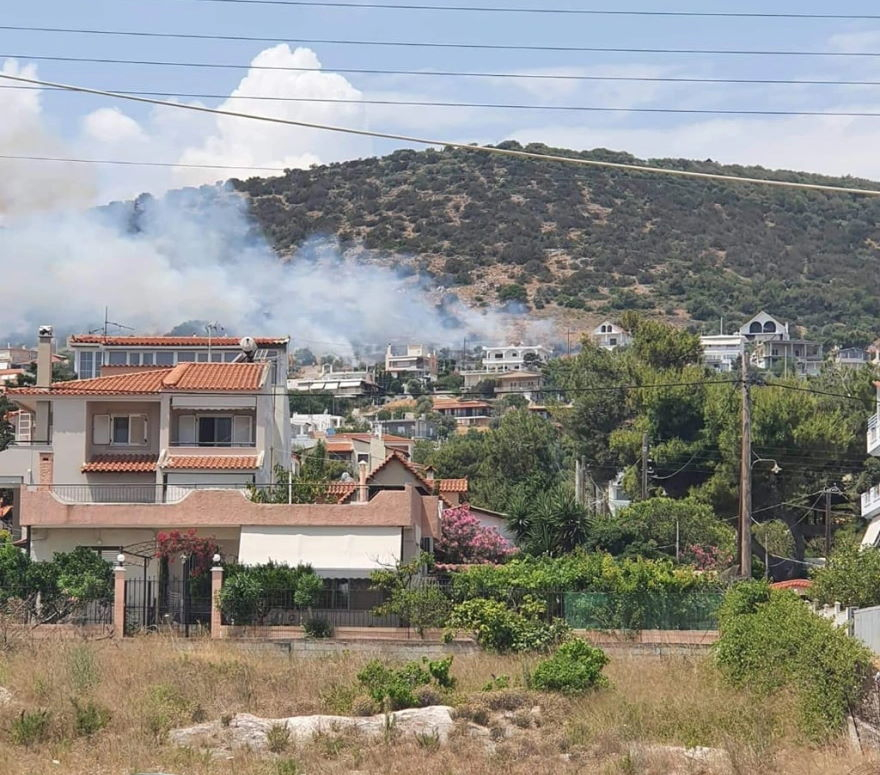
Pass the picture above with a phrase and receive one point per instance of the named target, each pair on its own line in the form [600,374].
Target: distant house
[303,425]
[409,427]
[370,448]
[852,357]
[339,384]
[722,352]
[610,336]
[411,361]
[764,327]
[514,357]
[527,383]
[773,347]
[467,414]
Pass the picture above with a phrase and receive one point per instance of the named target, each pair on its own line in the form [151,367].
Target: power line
[520,154]
[443,73]
[502,106]
[430,44]
[559,11]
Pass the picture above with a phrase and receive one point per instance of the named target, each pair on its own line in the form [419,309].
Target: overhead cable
[437,45]
[510,152]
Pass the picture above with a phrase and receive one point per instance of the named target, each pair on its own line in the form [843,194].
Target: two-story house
[467,413]
[112,461]
[411,361]
[610,336]
[722,352]
[514,358]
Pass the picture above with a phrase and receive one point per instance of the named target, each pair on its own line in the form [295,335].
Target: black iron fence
[179,605]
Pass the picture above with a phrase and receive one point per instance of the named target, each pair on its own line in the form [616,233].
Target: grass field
[152,684]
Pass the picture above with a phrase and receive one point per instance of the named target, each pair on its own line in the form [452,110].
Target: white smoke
[195,254]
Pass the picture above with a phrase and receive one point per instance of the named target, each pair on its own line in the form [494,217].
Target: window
[147,359]
[499,356]
[229,357]
[202,357]
[216,357]
[117,357]
[755,328]
[363,457]
[128,430]
[164,358]
[612,340]
[215,431]
[769,327]
[88,364]
[185,356]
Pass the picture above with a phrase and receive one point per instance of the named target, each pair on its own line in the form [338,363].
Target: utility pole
[827,521]
[644,466]
[745,477]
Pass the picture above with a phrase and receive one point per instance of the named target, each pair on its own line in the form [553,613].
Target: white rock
[5,696]
[247,731]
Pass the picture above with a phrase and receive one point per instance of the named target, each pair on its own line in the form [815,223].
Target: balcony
[76,494]
[874,435]
[871,502]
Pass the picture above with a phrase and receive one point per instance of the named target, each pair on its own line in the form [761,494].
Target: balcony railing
[871,501]
[873,433]
[133,493]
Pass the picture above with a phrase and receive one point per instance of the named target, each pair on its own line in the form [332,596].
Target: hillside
[592,242]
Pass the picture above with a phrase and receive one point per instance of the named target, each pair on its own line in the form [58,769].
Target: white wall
[324,548]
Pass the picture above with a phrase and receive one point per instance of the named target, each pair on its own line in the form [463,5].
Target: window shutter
[137,430]
[241,429]
[186,429]
[101,429]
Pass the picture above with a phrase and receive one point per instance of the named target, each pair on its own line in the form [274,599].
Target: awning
[872,533]
[352,551]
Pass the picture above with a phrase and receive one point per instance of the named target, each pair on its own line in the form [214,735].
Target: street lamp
[777,469]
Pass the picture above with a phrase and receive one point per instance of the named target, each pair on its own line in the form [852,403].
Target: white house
[871,498]
[764,327]
[514,357]
[722,352]
[411,361]
[610,335]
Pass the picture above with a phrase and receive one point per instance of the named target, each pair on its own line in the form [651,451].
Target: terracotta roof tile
[341,491]
[184,376]
[120,464]
[453,485]
[793,584]
[212,462]
[172,341]
[338,446]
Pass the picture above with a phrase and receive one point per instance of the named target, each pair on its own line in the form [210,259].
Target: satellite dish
[248,345]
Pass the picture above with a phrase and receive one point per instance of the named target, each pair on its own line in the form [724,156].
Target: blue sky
[76,125]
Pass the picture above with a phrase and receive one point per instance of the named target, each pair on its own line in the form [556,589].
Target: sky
[66,125]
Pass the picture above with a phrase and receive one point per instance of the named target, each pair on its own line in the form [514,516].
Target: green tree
[308,485]
[662,346]
[550,521]
[513,292]
[7,434]
[851,577]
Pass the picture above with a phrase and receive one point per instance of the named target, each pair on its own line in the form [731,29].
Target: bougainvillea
[198,549]
[465,541]
[707,557]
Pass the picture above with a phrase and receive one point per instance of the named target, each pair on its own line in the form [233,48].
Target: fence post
[216,586]
[119,597]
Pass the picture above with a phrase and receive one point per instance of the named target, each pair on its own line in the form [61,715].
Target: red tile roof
[395,455]
[184,376]
[388,438]
[172,341]
[212,462]
[453,485]
[338,446]
[793,584]
[341,491]
[120,464]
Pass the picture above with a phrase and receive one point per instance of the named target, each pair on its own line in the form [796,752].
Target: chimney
[363,494]
[44,357]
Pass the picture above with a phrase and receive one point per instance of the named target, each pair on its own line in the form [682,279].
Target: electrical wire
[507,106]
[519,154]
[129,163]
[550,10]
[435,45]
[442,73]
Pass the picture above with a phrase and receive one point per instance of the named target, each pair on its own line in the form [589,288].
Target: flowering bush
[464,540]
[707,557]
[200,550]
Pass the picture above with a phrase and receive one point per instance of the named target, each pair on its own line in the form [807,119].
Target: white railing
[871,501]
[78,494]
[873,433]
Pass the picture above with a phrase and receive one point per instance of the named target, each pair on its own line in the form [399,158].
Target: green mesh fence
[642,611]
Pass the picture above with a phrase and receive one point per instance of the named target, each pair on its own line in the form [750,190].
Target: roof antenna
[107,323]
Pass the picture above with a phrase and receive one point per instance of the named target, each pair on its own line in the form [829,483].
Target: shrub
[498,627]
[318,627]
[164,707]
[241,599]
[417,601]
[278,738]
[31,727]
[463,540]
[771,641]
[439,670]
[396,688]
[851,577]
[364,706]
[497,682]
[89,717]
[575,667]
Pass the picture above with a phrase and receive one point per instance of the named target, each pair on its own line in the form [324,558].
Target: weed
[287,767]
[338,698]
[430,741]
[506,700]
[497,682]
[363,706]
[476,713]
[31,727]
[318,627]
[164,706]
[89,717]
[81,665]
[278,738]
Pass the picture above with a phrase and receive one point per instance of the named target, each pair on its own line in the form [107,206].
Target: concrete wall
[69,440]
[21,464]
[148,408]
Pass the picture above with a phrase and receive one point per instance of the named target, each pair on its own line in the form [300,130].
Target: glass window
[230,356]
[185,356]
[147,359]
[215,431]
[120,430]
[202,357]
[117,357]
[216,357]
[164,358]
[134,358]
[87,365]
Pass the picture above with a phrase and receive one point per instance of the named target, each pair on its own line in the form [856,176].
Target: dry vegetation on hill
[152,684]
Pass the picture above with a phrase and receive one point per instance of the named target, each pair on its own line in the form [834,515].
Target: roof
[341,491]
[184,376]
[453,485]
[793,584]
[338,446]
[120,464]
[173,341]
[507,375]
[388,438]
[446,403]
[212,462]
[395,455]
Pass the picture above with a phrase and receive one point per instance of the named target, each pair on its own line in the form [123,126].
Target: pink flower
[463,540]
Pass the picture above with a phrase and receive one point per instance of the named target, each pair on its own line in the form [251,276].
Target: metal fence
[642,611]
[179,605]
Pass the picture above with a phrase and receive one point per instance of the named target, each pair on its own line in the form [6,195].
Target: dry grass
[153,684]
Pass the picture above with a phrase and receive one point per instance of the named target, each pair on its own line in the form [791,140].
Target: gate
[866,627]
[182,606]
